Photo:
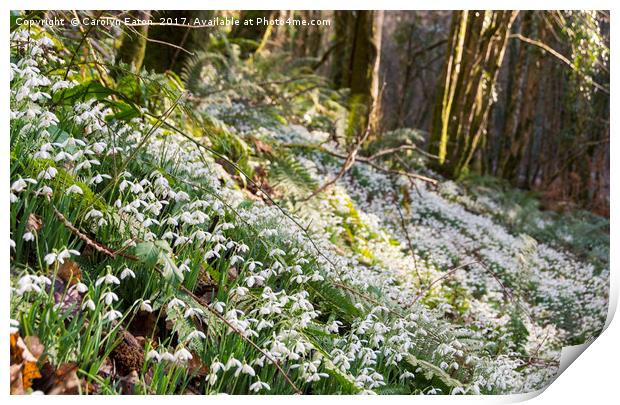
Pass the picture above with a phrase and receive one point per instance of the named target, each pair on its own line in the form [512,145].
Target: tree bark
[466,92]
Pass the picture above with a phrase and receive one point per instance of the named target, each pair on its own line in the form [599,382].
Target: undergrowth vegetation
[166,239]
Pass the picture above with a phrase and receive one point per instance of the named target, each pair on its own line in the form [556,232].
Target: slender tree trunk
[466,92]
[133,42]
[170,46]
[356,64]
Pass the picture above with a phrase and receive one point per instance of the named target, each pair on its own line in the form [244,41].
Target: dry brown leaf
[262,147]
[129,382]
[24,368]
[65,380]
[232,273]
[16,351]
[30,372]
[70,272]
[17,385]
[197,367]
[34,223]
[34,345]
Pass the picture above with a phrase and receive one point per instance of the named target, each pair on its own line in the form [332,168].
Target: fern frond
[287,172]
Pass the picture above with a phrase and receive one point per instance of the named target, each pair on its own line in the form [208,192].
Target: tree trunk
[133,42]
[356,64]
[466,91]
[170,46]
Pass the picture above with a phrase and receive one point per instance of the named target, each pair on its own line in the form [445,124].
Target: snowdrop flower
[211,379]
[193,311]
[211,254]
[48,173]
[259,385]
[28,236]
[44,280]
[109,297]
[90,304]
[254,279]
[252,265]
[183,355]
[81,288]
[276,252]
[108,279]
[50,258]
[112,315]
[74,189]
[99,147]
[93,213]
[234,259]
[167,357]
[153,355]
[98,178]
[60,156]
[65,254]
[240,291]
[245,369]
[12,244]
[262,324]
[146,306]
[181,196]
[196,334]
[61,84]
[218,306]
[175,302]
[29,283]
[334,326]
[45,191]
[232,362]
[127,273]
[216,366]
[20,185]
[183,267]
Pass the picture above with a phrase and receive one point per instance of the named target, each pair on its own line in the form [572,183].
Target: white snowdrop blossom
[175,302]
[127,273]
[109,297]
[146,306]
[112,315]
[182,355]
[153,355]
[74,189]
[107,279]
[259,386]
[196,335]
[48,173]
[90,304]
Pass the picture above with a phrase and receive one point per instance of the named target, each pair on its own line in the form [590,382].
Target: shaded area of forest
[530,103]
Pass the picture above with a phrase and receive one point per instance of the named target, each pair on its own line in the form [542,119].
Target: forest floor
[149,259]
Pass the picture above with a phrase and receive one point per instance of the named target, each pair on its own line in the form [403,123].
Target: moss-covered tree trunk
[356,63]
[170,46]
[465,93]
[133,42]
[524,89]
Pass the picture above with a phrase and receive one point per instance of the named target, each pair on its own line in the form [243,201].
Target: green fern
[337,301]
[288,173]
